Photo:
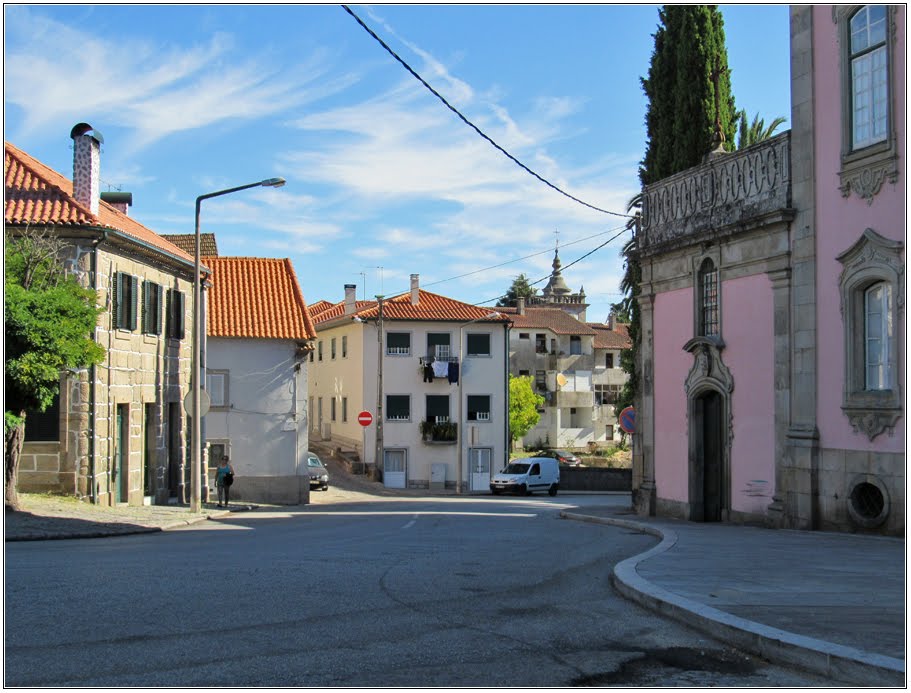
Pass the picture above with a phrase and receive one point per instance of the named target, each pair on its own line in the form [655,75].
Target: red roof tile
[607,338]
[553,319]
[318,307]
[36,194]
[256,297]
[430,307]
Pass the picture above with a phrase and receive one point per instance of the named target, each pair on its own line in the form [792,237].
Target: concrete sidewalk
[830,603]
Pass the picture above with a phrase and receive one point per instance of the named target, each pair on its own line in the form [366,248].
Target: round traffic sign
[205,402]
[365,418]
[627,420]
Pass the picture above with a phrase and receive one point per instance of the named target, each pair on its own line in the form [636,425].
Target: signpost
[628,420]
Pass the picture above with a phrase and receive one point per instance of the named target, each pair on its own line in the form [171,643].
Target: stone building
[772,304]
[118,432]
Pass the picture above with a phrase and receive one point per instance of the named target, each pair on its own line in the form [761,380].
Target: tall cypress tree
[680,122]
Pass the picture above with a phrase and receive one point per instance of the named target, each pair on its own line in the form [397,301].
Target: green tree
[751,133]
[682,116]
[523,407]
[49,320]
[520,287]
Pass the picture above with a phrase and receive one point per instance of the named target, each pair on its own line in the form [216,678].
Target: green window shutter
[146,306]
[134,301]
[181,312]
[118,300]
[158,308]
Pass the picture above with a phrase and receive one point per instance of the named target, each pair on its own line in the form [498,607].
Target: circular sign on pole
[628,420]
[204,402]
[365,418]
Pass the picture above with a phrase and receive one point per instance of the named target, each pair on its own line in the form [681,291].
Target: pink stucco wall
[839,224]
[673,327]
[748,333]
[749,353]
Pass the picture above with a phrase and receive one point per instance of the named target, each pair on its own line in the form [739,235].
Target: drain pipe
[93,372]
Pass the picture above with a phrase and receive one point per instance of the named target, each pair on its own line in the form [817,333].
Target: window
[575,344]
[541,343]
[217,387]
[332,352]
[541,381]
[345,347]
[608,360]
[398,407]
[311,356]
[176,309]
[478,408]
[438,345]
[152,299]
[523,335]
[609,432]
[344,404]
[708,299]
[872,279]
[332,409]
[319,350]
[319,410]
[869,77]
[125,299]
[438,408]
[606,394]
[398,343]
[478,344]
[524,374]
[869,152]
[878,336]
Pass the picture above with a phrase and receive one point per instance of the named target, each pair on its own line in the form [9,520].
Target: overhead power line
[472,125]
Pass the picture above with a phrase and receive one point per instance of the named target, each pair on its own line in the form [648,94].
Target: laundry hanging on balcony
[440,369]
[453,372]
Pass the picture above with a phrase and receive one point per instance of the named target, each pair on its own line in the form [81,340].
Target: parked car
[562,456]
[524,476]
[319,475]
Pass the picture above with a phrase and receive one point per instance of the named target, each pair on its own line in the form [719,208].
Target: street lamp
[195,466]
[461,379]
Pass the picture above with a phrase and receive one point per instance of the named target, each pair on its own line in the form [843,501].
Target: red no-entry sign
[365,418]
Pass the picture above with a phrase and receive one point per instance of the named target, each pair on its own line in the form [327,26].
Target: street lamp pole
[459,424]
[378,453]
[196,374]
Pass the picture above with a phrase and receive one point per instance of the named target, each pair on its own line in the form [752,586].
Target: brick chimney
[415,287]
[520,305]
[350,299]
[610,321]
[87,165]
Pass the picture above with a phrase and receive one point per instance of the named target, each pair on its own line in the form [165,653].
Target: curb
[781,647]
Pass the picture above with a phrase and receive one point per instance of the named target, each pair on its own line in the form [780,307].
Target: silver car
[319,475]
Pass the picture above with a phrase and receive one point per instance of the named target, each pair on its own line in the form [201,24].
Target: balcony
[435,431]
[731,193]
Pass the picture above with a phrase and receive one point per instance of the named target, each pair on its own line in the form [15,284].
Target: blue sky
[382,180]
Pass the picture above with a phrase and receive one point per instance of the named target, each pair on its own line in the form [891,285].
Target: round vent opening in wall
[868,503]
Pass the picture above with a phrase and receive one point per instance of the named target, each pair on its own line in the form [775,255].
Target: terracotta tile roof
[36,194]
[553,319]
[607,338]
[318,307]
[337,310]
[430,307]
[256,297]
[187,243]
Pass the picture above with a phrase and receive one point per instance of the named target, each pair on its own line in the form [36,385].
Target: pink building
[773,323]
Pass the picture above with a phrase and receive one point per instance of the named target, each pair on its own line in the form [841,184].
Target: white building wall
[264,423]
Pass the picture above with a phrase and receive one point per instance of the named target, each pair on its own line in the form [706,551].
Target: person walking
[224,477]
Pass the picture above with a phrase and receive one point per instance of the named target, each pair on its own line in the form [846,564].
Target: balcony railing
[736,190]
[433,431]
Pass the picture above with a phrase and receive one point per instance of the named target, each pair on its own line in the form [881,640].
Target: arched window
[878,337]
[869,77]
[708,299]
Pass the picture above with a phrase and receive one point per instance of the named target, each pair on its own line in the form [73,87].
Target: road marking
[411,524]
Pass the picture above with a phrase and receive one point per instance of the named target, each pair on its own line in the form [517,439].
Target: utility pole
[378,459]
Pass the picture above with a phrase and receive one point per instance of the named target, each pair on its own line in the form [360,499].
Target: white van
[524,476]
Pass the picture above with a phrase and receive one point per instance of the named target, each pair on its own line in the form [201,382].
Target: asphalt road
[355,590]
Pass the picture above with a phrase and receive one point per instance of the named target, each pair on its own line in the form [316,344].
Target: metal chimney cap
[82,128]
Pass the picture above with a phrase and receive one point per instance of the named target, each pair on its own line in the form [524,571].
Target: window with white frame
[478,344]
[870,284]
[217,387]
[398,407]
[707,293]
[869,152]
[478,408]
[437,408]
[398,343]
[438,345]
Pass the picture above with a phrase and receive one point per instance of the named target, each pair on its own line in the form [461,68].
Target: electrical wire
[472,125]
